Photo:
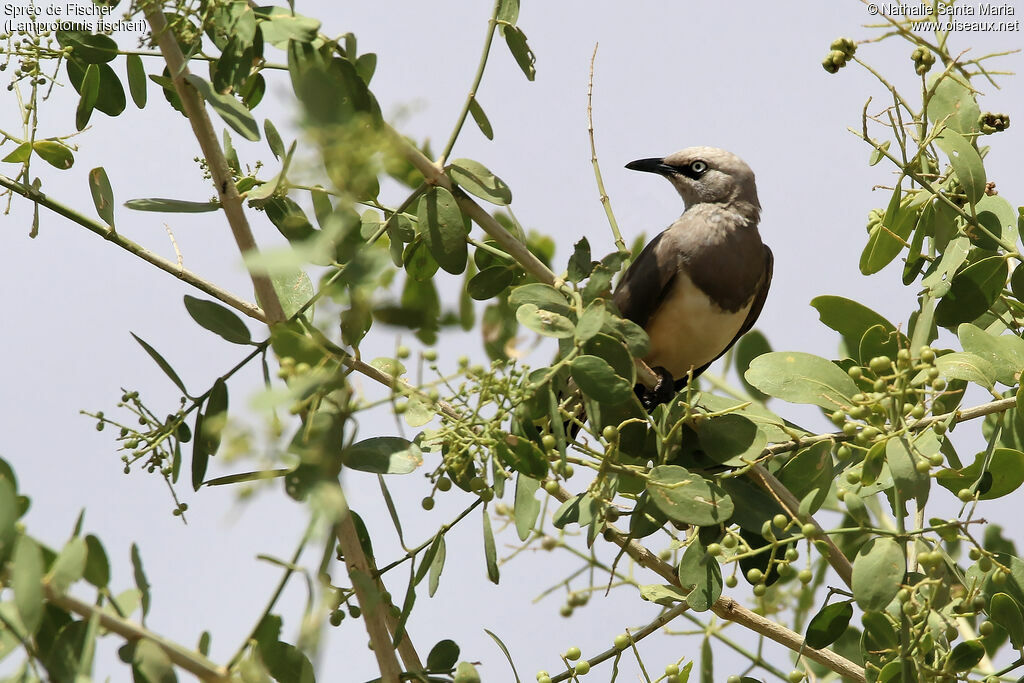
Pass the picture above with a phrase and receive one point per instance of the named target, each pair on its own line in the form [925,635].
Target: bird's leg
[662,392]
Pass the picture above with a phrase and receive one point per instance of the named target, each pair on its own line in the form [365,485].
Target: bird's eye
[698,167]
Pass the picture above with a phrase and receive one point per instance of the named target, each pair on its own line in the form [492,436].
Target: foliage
[937,598]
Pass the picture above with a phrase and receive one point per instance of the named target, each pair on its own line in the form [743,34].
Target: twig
[187,659]
[662,619]
[166,265]
[605,201]
[492,24]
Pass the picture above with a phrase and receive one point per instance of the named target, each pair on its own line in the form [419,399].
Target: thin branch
[227,193]
[107,233]
[190,660]
[662,619]
[728,608]
[492,24]
[605,201]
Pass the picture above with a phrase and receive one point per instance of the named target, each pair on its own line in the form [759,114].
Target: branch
[728,608]
[107,233]
[605,201]
[191,661]
[227,193]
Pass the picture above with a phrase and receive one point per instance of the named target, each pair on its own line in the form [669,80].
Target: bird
[701,284]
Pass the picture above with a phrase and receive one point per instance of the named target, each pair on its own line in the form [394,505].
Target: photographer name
[1004,9]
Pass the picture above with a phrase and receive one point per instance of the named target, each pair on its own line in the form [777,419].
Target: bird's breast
[689,330]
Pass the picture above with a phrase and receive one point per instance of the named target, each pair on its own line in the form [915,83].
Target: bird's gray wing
[752,315]
[641,289]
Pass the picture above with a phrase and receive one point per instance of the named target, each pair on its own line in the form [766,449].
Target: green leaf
[54,153]
[293,288]
[687,497]
[1005,611]
[444,229]
[887,238]
[171,205]
[540,295]
[490,282]
[258,475]
[230,110]
[110,97]
[852,320]
[9,514]
[662,594]
[968,367]
[731,439]
[283,26]
[490,553]
[218,319]
[27,582]
[277,146]
[504,651]
[966,162]
[89,90]
[141,582]
[966,655]
[1006,466]
[19,154]
[828,624]
[383,455]
[480,117]
[544,322]
[871,468]
[878,573]
[97,566]
[809,472]
[591,320]
[597,379]
[474,178]
[210,424]
[700,574]
[164,365]
[526,508]
[443,656]
[523,456]
[69,565]
[90,48]
[151,664]
[953,102]
[1005,353]
[136,80]
[289,218]
[911,484]
[750,346]
[802,378]
[521,51]
[508,11]
[436,567]
[102,195]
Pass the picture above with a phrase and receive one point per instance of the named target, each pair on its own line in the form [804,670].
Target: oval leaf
[547,323]
[218,319]
[474,178]
[828,624]
[383,455]
[443,227]
[700,573]
[687,497]
[802,378]
[878,572]
[598,380]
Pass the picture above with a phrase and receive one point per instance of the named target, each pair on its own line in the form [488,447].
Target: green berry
[855,372]
[610,432]
[880,364]
[809,530]
[780,521]
[795,676]
[755,575]
[986,628]
[444,484]
[671,669]
[430,355]
[985,564]
[729,541]
[792,554]
[621,641]
[927,354]
[402,352]
[427,503]
[714,550]
[805,576]
[965,495]
[731,581]
[573,653]
[582,668]
[759,589]
[543,677]
[548,441]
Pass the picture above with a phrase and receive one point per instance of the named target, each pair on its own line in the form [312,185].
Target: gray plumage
[700,285]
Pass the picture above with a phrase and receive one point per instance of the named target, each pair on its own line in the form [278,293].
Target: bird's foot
[662,392]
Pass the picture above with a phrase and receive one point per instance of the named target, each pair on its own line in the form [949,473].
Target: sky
[744,76]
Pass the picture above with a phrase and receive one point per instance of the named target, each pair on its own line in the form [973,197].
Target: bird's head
[705,175]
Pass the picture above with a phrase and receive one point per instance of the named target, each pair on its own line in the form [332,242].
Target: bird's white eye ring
[698,167]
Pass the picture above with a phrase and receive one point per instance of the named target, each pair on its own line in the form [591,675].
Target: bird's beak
[650,166]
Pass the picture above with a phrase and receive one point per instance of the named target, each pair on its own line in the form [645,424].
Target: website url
[967,26]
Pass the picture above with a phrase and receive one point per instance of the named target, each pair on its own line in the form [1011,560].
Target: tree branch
[107,233]
[227,193]
[191,661]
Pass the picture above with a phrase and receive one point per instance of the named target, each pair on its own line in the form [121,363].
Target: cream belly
[688,330]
